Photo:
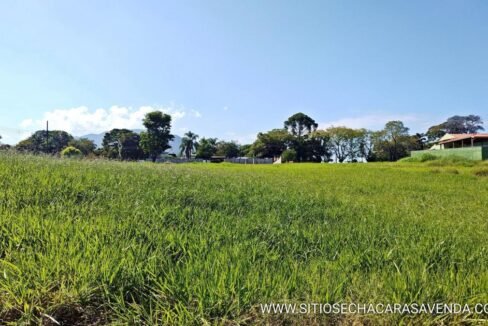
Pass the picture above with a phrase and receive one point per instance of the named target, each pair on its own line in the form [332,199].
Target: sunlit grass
[108,242]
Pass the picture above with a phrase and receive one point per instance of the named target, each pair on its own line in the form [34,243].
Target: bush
[428,157]
[289,155]
[71,152]
[408,160]
[452,160]
[422,158]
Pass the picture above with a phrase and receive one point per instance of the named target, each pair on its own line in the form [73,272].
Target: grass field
[94,242]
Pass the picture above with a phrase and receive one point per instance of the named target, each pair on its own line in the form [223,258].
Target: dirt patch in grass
[76,315]
[481,172]
[452,171]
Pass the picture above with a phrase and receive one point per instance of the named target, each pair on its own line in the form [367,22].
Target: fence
[237,160]
[178,160]
[249,160]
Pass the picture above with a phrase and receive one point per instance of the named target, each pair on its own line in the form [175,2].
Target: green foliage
[271,143]
[289,155]
[300,125]
[456,125]
[71,152]
[349,144]
[393,142]
[136,243]
[4,147]
[452,161]
[427,157]
[246,150]
[421,158]
[86,146]
[440,161]
[436,132]
[229,149]
[464,124]
[122,144]
[418,141]
[189,144]
[206,148]
[155,140]
[52,142]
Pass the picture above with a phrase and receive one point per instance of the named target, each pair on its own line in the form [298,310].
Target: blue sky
[230,69]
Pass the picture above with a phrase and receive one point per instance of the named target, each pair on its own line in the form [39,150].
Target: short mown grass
[95,242]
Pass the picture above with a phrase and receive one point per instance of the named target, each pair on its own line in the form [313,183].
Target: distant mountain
[98,139]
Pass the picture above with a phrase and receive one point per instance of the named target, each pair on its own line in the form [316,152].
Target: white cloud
[12,136]
[240,138]
[81,120]
[374,121]
[195,114]
[27,123]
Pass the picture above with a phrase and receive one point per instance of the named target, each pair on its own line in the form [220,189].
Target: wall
[476,153]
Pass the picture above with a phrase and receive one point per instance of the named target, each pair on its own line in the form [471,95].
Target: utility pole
[47,135]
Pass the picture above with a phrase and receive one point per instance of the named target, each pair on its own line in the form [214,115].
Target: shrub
[422,158]
[428,157]
[289,155]
[452,160]
[71,152]
[408,160]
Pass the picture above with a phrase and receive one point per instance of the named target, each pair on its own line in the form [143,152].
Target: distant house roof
[449,138]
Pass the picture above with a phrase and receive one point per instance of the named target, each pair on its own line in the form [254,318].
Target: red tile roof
[457,137]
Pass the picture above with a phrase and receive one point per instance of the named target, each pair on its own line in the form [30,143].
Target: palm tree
[189,144]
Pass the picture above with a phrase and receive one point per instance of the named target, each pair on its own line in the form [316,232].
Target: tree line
[298,140]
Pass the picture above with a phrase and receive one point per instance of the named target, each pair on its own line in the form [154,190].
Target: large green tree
[464,124]
[345,142]
[367,145]
[123,144]
[155,140]
[188,144]
[245,150]
[436,132]
[52,142]
[229,149]
[271,143]
[419,141]
[469,124]
[207,148]
[85,145]
[393,142]
[318,147]
[300,126]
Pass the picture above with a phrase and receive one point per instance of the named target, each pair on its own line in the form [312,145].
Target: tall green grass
[136,243]
[433,160]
